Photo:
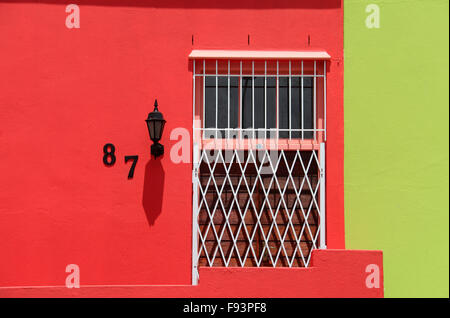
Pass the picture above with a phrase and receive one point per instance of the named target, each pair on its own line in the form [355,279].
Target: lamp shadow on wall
[152,194]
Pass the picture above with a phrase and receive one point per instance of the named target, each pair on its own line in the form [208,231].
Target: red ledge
[333,273]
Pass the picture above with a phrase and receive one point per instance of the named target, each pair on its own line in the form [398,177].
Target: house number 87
[109,158]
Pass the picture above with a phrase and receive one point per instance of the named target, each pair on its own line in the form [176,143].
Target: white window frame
[317,154]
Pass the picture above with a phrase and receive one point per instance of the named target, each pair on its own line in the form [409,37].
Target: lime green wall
[396,141]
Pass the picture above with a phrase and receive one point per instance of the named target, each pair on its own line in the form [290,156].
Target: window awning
[258,55]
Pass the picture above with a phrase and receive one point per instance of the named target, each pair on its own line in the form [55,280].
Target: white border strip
[254,55]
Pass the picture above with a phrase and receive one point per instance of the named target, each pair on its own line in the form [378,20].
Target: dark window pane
[308,115]
[247,113]
[284,106]
[271,103]
[234,104]
[210,105]
[222,110]
[260,112]
[265,100]
[296,106]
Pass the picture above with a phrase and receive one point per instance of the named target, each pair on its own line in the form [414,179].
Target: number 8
[109,154]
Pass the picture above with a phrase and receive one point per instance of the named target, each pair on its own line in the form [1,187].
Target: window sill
[260,144]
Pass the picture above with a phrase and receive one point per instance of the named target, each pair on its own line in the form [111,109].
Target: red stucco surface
[67,92]
[334,273]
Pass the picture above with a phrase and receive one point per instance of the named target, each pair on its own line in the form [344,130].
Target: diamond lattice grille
[258,208]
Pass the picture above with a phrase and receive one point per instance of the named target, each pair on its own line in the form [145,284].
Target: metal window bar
[302,103]
[204,93]
[290,100]
[216,131]
[253,130]
[265,100]
[325,97]
[262,75]
[240,100]
[253,99]
[322,197]
[228,135]
[314,102]
[195,211]
[268,130]
[193,96]
[230,229]
[278,99]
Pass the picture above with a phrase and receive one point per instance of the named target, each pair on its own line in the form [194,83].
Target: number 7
[133,165]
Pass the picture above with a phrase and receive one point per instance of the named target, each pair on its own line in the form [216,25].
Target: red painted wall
[64,93]
[333,273]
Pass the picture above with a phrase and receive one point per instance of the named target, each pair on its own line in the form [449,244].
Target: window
[252,208]
[260,99]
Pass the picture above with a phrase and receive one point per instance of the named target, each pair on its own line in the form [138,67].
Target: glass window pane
[296,106]
[234,104]
[210,105]
[247,113]
[222,111]
[271,104]
[284,106]
[308,115]
[259,105]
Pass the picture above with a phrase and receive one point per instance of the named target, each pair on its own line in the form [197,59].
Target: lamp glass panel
[157,130]
[162,128]
[151,129]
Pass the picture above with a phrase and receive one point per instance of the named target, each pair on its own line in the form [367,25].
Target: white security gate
[257,207]
[259,133]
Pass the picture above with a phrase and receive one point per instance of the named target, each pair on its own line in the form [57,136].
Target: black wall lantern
[155,124]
